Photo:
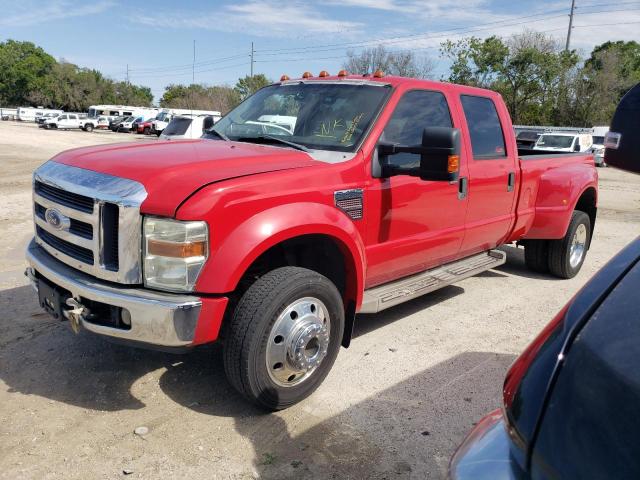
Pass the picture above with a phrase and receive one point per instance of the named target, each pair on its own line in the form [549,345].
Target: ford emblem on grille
[56,219]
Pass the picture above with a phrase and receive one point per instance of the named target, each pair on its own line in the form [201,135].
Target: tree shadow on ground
[409,430]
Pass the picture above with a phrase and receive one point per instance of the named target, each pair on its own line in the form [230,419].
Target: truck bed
[548,181]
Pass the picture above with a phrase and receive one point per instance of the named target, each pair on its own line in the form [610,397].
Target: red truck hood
[171,171]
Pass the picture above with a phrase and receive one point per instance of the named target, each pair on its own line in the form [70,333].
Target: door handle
[511,181]
[463,188]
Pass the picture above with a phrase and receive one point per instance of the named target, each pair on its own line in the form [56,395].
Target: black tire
[536,255]
[560,250]
[247,334]
[146,130]
[88,128]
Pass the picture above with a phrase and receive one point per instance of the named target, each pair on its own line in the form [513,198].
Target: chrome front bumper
[162,319]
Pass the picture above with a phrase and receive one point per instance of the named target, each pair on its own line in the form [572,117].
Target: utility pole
[252,59]
[193,75]
[573,6]
[127,74]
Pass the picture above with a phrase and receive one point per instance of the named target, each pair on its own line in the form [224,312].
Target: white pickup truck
[66,121]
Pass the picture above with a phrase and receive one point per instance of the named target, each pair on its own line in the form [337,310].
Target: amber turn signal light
[453,164]
[343,73]
[307,75]
[323,73]
[378,73]
[284,78]
[176,250]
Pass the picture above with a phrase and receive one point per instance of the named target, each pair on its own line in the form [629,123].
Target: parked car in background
[64,121]
[527,139]
[118,126]
[185,126]
[126,126]
[564,142]
[139,121]
[598,134]
[40,120]
[163,117]
[115,122]
[145,127]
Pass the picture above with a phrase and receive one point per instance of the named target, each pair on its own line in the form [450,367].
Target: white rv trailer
[96,111]
[29,114]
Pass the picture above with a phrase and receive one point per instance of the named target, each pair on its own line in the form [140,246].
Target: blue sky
[156,38]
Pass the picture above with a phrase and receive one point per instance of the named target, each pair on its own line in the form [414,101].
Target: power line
[424,36]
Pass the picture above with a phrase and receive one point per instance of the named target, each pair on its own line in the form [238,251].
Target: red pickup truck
[315,199]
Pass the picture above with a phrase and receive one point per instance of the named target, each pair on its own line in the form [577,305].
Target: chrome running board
[399,291]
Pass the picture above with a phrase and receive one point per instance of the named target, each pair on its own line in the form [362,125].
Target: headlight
[174,253]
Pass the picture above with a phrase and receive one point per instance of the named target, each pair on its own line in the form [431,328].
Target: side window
[62,117]
[416,110]
[487,140]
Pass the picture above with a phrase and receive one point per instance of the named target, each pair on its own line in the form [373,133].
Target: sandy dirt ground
[395,405]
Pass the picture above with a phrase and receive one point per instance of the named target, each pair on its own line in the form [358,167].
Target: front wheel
[567,255]
[284,337]
[88,128]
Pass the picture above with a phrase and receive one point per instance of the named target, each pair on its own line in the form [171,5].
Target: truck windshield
[555,141]
[317,115]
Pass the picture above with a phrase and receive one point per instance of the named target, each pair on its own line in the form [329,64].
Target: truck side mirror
[576,147]
[207,122]
[439,155]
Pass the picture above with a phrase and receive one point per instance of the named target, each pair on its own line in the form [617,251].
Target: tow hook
[75,314]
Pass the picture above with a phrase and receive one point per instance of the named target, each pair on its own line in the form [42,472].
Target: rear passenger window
[416,110]
[487,140]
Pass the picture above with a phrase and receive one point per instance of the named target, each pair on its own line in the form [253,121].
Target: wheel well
[587,204]
[320,253]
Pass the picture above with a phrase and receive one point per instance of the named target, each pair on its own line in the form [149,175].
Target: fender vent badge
[350,202]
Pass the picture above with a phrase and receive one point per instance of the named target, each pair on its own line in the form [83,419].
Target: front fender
[230,257]
[558,193]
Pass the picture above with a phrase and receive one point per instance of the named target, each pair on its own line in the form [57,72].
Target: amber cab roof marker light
[307,75]
[378,74]
[324,73]
[284,78]
[343,73]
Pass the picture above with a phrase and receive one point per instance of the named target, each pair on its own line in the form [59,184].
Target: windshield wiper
[219,134]
[297,146]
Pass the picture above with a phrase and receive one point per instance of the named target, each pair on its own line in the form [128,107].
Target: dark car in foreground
[572,399]
[571,405]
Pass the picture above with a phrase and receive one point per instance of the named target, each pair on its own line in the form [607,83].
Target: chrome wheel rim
[298,342]
[578,246]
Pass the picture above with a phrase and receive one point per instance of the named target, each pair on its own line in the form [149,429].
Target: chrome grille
[90,221]
[68,199]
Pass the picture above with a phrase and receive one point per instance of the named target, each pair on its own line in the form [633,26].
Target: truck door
[413,224]
[492,176]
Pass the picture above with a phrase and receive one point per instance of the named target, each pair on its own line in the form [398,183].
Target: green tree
[527,69]
[249,85]
[593,91]
[200,97]
[22,67]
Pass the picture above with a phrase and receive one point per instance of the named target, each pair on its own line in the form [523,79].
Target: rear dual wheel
[563,257]
[284,337]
